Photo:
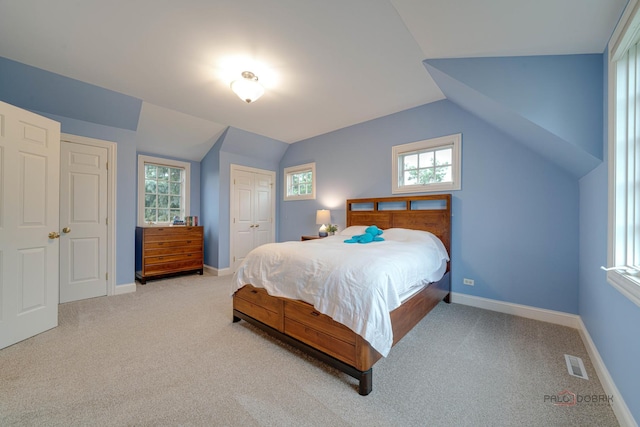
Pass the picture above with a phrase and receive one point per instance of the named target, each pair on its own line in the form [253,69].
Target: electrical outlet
[469,282]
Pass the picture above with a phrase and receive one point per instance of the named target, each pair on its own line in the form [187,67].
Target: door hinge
[106,276]
[106,220]
[234,259]
[107,166]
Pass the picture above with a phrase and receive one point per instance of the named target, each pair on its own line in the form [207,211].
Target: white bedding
[355,284]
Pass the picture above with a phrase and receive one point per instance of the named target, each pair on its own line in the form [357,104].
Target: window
[624,155]
[163,190]
[429,165]
[300,182]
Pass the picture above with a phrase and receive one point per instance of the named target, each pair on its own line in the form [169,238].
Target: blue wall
[611,319]
[210,194]
[552,104]
[515,227]
[559,93]
[38,90]
[236,147]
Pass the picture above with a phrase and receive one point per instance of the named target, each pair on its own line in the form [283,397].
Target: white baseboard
[625,418]
[124,289]
[218,271]
[544,315]
[618,405]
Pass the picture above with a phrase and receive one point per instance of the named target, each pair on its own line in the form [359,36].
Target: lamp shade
[323,216]
[247,88]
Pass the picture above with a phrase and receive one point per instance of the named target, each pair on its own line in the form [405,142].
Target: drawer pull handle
[315,313]
[254,292]
[188,241]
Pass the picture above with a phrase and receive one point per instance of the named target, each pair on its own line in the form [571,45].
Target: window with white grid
[429,165]
[624,156]
[163,190]
[300,182]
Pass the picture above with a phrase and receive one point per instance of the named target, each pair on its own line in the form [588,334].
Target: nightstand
[303,238]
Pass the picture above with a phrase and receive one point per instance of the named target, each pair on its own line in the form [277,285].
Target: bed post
[447,297]
[366,382]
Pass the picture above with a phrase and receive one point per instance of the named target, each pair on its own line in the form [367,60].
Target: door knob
[66,230]
[53,235]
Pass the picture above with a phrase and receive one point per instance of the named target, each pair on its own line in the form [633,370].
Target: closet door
[242,217]
[252,211]
[262,220]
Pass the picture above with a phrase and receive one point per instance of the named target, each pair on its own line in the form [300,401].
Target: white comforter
[355,284]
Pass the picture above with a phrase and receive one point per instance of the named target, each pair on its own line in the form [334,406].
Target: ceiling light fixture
[247,88]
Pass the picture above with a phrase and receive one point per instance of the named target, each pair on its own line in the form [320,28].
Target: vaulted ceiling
[324,64]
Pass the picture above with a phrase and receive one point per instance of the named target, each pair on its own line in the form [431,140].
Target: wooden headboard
[428,213]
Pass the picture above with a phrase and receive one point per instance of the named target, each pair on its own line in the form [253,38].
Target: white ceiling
[324,64]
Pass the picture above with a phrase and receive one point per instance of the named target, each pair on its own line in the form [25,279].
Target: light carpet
[169,354]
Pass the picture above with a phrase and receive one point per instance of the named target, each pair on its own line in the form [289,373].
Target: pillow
[354,230]
[407,235]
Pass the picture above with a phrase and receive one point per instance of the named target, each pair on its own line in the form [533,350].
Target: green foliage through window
[163,193]
[425,167]
[300,183]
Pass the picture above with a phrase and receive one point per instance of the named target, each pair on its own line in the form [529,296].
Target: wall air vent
[575,366]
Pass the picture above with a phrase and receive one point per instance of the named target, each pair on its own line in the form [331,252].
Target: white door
[262,217]
[242,216]
[83,221]
[29,198]
[252,211]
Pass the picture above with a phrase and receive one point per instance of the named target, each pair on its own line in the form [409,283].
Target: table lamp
[323,216]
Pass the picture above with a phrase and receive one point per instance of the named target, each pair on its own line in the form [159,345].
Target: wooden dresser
[162,251]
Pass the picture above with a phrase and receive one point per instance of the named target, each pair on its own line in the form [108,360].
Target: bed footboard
[299,325]
[364,378]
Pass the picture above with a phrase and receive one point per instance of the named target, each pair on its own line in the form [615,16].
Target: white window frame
[298,169]
[142,160]
[453,141]
[624,274]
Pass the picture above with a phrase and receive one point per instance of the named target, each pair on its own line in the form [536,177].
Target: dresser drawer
[172,244]
[171,234]
[193,256]
[172,266]
[169,250]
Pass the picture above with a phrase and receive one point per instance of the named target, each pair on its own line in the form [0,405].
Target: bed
[310,328]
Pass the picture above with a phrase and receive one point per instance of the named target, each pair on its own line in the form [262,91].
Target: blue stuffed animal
[371,234]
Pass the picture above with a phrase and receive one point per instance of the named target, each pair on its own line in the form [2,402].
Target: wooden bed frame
[300,325]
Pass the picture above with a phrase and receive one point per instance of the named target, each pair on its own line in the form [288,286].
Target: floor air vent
[575,366]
